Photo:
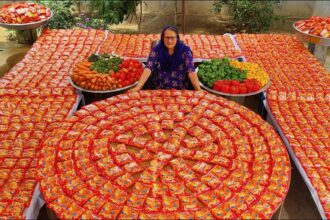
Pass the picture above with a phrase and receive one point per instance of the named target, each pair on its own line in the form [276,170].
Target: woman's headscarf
[167,62]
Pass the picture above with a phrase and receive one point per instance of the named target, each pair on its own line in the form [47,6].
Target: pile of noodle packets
[164,154]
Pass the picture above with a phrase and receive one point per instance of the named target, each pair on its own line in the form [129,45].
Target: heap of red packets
[289,65]
[309,139]
[35,97]
[23,12]
[26,117]
[316,26]
[164,154]
[299,100]
[139,46]
[50,61]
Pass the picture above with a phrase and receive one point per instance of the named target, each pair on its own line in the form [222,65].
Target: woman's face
[170,39]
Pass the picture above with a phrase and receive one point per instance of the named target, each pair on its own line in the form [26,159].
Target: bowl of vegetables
[105,73]
[232,77]
[24,15]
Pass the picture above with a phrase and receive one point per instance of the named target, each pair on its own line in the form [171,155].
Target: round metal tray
[311,38]
[26,26]
[235,95]
[101,91]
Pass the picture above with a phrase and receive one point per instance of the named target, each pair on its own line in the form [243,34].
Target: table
[164,154]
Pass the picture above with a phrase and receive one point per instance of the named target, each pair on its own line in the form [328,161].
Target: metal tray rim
[100,91]
[323,39]
[235,95]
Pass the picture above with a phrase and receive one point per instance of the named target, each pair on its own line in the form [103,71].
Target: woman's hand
[135,89]
[194,81]
[144,77]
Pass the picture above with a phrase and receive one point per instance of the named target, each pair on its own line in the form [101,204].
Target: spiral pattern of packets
[164,154]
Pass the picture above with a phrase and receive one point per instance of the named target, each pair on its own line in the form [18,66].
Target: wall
[322,8]
[168,7]
[294,9]
[5,2]
[290,8]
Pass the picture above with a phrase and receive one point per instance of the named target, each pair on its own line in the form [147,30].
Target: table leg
[81,98]
[311,47]
[83,101]
[27,36]
[320,52]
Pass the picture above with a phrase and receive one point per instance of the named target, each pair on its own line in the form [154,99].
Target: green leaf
[249,15]
[114,11]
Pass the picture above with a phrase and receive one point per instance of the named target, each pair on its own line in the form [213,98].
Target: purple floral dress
[173,79]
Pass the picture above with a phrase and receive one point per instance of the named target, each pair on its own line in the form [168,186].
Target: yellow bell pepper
[253,71]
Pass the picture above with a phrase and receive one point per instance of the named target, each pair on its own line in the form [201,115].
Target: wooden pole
[176,13]
[140,20]
[183,16]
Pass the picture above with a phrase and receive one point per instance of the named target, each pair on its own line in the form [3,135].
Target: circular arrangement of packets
[164,154]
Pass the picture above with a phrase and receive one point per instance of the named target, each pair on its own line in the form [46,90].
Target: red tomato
[130,71]
[137,65]
[242,89]
[249,87]
[218,87]
[226,82]
[256,87]
[225,88]
[234,90]
[235,82]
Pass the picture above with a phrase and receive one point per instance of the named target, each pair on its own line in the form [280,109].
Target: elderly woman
[170,65]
